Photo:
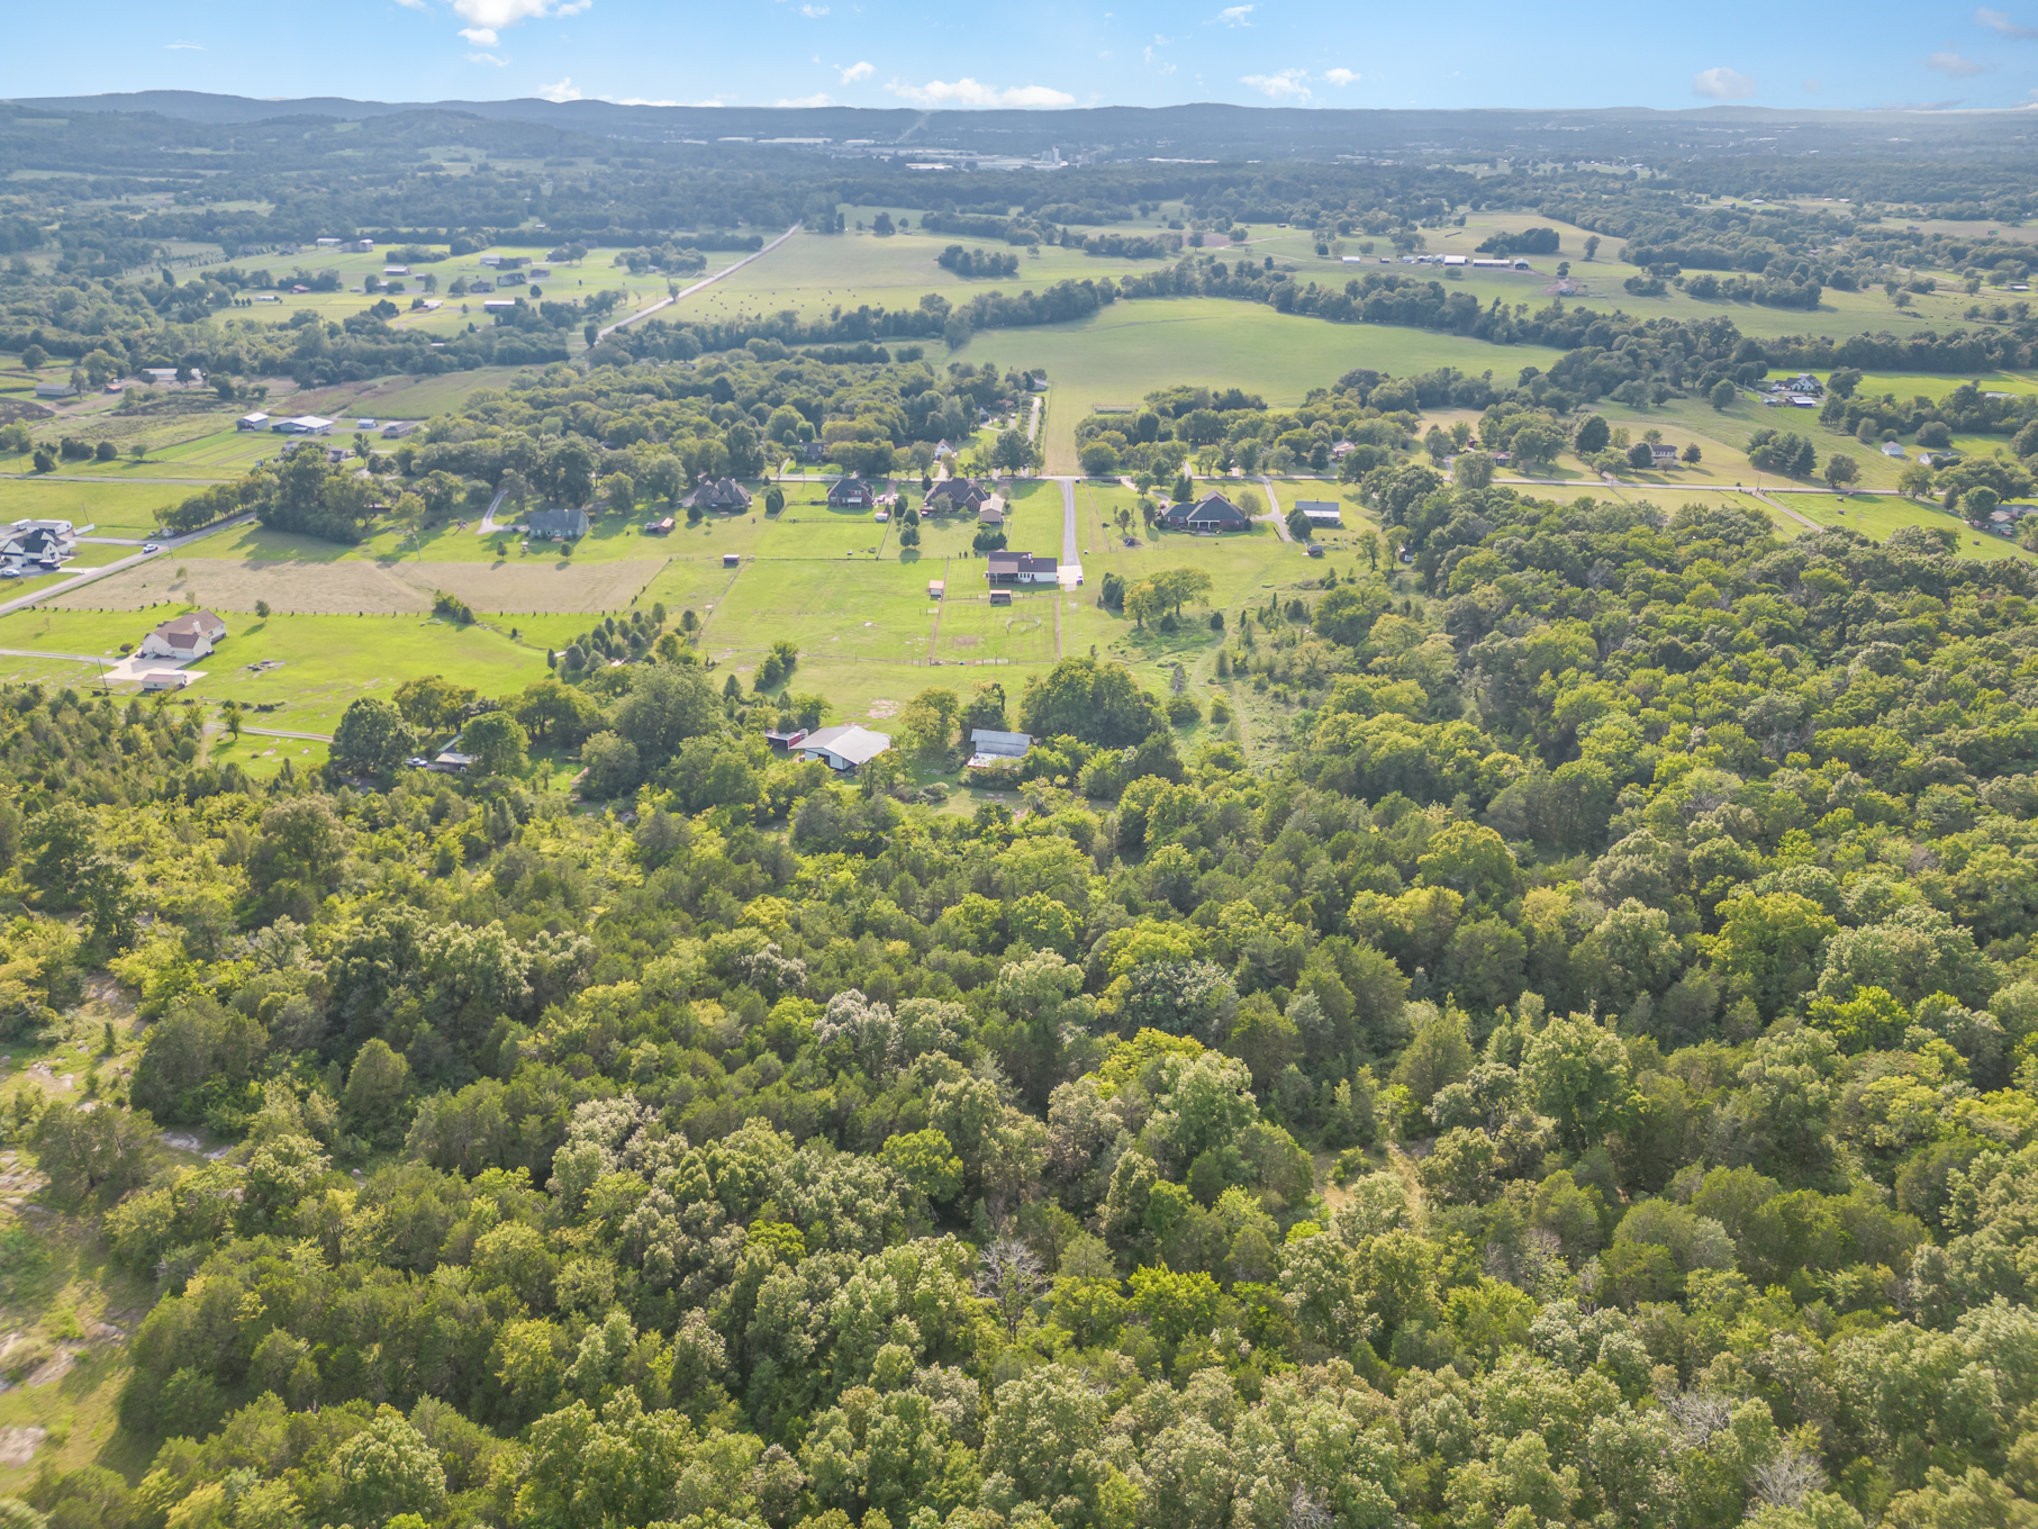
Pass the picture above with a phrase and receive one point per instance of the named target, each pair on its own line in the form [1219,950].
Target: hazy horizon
[900,53]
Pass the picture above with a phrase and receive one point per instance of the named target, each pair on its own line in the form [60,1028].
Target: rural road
[705,281]
[83,658]
[280,732]
[1783,509]
[169,545]
[106,480]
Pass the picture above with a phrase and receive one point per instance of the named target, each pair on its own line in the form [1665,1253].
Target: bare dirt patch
[356,586]
[18,1445]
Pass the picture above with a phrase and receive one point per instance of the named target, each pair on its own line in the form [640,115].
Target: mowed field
[813,274]
[1125,352]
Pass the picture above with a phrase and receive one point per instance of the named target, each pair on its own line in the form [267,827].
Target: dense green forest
[1585,1079]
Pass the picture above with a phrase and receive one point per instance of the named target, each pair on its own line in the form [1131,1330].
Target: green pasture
[842,612]
[971,630]
[1125,352]
[204,448]
[112,508]
[1876,516]
[814,274]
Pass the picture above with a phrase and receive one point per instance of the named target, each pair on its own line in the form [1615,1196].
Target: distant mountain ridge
[1191,130]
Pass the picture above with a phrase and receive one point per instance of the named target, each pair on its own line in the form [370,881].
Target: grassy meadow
[1125,352]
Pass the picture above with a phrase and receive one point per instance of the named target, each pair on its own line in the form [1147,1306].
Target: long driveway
[1274,511]
[1071,555]
[706,281]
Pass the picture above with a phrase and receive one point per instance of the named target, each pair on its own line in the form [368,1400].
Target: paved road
[704,282]
[1071,556]
[488,526]
[1274,511]
[169,545]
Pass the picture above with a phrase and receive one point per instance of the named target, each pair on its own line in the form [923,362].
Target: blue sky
[1872,53]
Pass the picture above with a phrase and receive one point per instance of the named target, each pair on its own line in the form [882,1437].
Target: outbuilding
[843,748]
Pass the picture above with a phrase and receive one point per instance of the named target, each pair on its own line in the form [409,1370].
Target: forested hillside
[1585,1078]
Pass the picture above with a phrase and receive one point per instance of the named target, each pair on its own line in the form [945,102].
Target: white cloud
[481,37]
[1288,85]
[1722,84]
[968,92]
[185,47]
[1342,77]
[1233,16]
[412,5]
[818,98]
[497,14]
[562,92]
[2002,24]
[813,12]
[1156,63]
[641,101]
[495,60]
[862,69]
[1954,66]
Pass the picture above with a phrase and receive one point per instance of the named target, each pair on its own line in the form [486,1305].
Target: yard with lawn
[314,665]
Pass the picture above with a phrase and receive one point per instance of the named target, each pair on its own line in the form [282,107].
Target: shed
[936,588]
[1321,512]
[1001,597]
[732,559]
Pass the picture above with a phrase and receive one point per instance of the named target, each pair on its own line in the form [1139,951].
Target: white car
[152,546]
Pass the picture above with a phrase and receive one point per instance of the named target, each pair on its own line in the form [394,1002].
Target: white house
[183,639]
[843,748]
[1893,450]
[256,421]
[303,424]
